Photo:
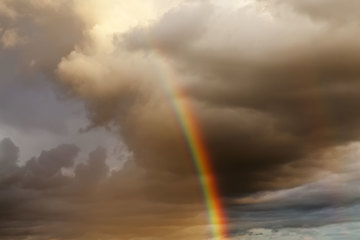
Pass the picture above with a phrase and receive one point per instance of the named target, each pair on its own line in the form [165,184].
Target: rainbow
[197,148]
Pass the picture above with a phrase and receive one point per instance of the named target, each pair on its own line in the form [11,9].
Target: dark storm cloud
[8,157]
[333,199]
[95,170]
[328,201]
[20,187]
[38,200]
[270,88]
[276,220]
[272,85]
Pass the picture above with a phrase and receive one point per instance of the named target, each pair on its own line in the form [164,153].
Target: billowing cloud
[40,200]
[265,98]
[272,84]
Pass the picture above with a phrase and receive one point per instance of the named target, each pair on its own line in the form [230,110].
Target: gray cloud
[332,10]
[38,200]
[272,85]
[292,78]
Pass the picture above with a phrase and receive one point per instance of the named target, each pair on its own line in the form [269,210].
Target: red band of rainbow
[197,148]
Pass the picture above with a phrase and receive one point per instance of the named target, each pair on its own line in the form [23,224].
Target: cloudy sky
[91,146]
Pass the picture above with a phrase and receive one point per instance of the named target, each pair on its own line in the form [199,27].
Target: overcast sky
[90,147]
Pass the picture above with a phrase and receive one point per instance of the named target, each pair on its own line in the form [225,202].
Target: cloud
[8,157]
[345,231]
[272,86]
[96,168]
[32,49]
[269,95]
[10,38]
[39,200]
[332,199]
[292,76]
[273,97]
[325,10]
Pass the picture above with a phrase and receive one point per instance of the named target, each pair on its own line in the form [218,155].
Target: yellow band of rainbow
[197,148]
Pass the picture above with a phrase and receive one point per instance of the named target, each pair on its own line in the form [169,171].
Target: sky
[91,143]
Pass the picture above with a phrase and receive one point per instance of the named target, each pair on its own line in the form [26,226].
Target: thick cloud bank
[39,200]
[273,85]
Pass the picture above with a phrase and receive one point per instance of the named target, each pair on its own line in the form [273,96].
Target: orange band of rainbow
[193,137]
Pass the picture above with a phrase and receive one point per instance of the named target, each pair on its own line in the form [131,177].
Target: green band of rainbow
[197,148]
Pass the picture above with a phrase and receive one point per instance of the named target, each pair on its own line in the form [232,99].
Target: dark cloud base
[39,200]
